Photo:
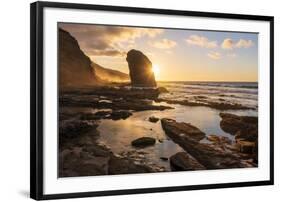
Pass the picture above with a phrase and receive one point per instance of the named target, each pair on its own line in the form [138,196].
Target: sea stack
[140,67]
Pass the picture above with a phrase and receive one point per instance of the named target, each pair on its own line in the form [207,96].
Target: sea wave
[245,93]
[250,85]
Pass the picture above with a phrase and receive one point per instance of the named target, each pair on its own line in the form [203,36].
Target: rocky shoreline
[87,99]
[115,98]
[81,154]
[220,154]
[222,105]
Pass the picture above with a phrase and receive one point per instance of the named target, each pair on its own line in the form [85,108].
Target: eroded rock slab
[206,103]
[245,129]
[218,139]
[125,166]
[73,128]
[205,154]
[181,129]
[114,115]
[232,123]
[246,147]
[114,98]
[182,161]
[120,114]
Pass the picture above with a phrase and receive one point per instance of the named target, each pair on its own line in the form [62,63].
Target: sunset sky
[179,55]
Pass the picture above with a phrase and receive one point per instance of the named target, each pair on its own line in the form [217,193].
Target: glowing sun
[156,70]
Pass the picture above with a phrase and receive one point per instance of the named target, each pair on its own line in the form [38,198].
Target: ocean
[244,93]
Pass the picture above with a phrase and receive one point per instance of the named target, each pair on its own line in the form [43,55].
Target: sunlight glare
[156,70]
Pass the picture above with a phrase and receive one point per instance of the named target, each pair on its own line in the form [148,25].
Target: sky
[176,54]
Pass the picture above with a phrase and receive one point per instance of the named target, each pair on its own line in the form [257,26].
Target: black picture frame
[36,99]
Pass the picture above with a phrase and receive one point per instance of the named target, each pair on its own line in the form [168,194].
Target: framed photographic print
[134,100]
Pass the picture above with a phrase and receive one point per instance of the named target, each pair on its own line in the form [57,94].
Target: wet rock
[125,166]
[181,129]
[92,166]
[164,158]
[182,161]
[232,124]
[114,115]
[245,129]
[213,138]
[246,146]
[66,115]
[140,67]
[74,128]
[97,150]
[82,155]
[120,114]
[143,142]
[218,139]
[86,140]
[200,97]
[205,154]
[153,119]
[89,116]
[222,143]
[226,105]
[137,100]
[78,162]
[65,153]
[206,103]
[110,92]
[250,134]
[94,159]
[103,114]
[162,90]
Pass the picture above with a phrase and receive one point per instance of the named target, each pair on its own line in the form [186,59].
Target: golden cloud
[163,44]
[214,55]
[227,44]
[242,43]
[201,41]
[97,40]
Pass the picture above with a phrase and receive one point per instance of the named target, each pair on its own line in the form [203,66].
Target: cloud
[201,41]
[242,43]
[163,44]
[227,44]
[106,52]
[214,55]
[100,40]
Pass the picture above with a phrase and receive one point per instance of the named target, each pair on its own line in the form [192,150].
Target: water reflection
[118,135]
